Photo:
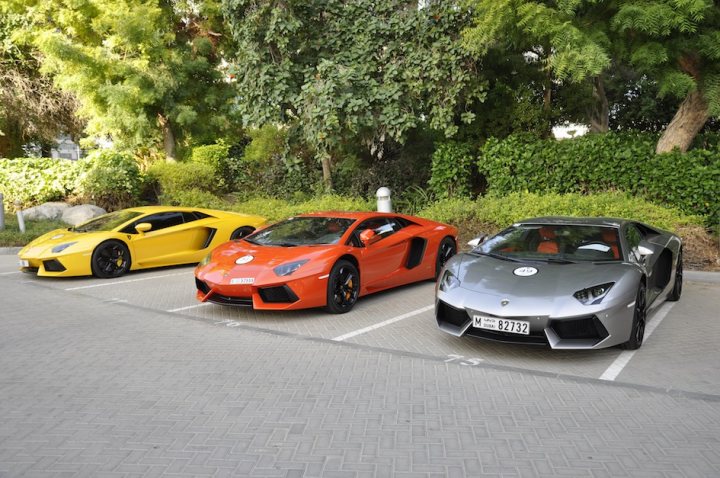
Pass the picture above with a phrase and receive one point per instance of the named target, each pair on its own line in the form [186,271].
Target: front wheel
[110,259]
[343,287]
[637,332]
[677,287]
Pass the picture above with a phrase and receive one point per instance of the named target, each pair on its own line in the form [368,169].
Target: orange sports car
[324,259]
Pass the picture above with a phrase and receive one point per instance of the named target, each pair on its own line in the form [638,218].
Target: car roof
[575,221]
[359,215]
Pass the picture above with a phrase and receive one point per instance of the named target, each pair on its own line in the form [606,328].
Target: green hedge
[503,211]
[109,178]
[173,180]
[34,181]
[596,163]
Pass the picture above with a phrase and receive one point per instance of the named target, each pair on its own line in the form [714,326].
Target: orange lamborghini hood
[241,259]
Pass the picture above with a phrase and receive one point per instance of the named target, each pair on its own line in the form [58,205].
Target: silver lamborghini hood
[534,287]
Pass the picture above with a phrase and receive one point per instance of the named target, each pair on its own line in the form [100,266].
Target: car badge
[504,302]
[244,259]
[525,271]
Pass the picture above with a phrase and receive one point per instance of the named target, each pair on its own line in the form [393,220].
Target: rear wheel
[446,250]
[110,259]
[241,232]
[677,288]
[343,287]
[637,332]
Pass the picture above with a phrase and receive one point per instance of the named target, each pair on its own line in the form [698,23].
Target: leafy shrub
[227,168]
[34,181]
[275,209]
[173,179]
[109,178]
[594,163]
[193,198]
[266,143]
[503,211]
[451,170]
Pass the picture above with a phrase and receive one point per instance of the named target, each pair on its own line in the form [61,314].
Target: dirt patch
[701,251]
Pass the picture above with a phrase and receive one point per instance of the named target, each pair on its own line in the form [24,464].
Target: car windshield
[298,231]
[554,243]
[106,222]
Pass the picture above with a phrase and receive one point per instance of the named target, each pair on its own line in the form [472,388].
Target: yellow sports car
[132,239]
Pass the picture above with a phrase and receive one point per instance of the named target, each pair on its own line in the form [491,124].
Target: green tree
[677,43]
[31,108]
[366,70]
[143,71]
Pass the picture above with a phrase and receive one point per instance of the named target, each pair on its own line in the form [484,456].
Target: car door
[173,239]
[383,257]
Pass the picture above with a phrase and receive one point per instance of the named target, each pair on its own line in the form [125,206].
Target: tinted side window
[159,221]
[381,225]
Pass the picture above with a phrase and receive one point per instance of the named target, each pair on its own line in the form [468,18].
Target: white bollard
[384,203]
[21,219]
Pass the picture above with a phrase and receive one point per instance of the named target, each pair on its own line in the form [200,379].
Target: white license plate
[242,281]
[501,325]
[24,263]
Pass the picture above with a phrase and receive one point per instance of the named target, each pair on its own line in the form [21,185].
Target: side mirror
[477,241]
[143,227]
[644,251]
[367,236]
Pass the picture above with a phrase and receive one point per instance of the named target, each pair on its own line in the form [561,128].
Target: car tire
[446,250]
[110,259]
[676,291]
[637,331]
[343,287]
[241,232]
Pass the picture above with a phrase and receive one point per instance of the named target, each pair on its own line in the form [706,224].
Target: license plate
[501,325]
[242,281]
[24,263]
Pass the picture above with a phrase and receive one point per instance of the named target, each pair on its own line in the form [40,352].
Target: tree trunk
[327,173]
[599,113]
[168,138]
[685,125]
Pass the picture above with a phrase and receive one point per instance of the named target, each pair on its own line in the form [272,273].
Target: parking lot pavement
[679,352]
[91,386]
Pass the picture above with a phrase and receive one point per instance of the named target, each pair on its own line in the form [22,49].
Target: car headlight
[448,281]
[593,295]
[289,268]
[62,247]
[205,260]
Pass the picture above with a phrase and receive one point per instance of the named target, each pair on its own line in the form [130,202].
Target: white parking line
[105,284]
[188,307]
[619,364]
[383,324]
[8,273]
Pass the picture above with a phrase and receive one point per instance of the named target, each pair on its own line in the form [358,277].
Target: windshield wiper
[495,256]
[557,260]
[285,244]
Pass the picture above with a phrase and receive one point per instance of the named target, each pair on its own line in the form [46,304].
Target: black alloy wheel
[637,332]
[110,259]
[343,287]
[446,250]
[676,292]
[241,232]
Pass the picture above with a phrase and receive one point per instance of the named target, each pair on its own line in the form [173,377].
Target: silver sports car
[570,283]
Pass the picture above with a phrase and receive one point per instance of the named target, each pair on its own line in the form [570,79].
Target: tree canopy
[366,69]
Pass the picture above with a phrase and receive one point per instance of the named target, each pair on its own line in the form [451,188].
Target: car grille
[450,315]
[202,286]
[53,265]
[579,328]
[227,300]
[281,293]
